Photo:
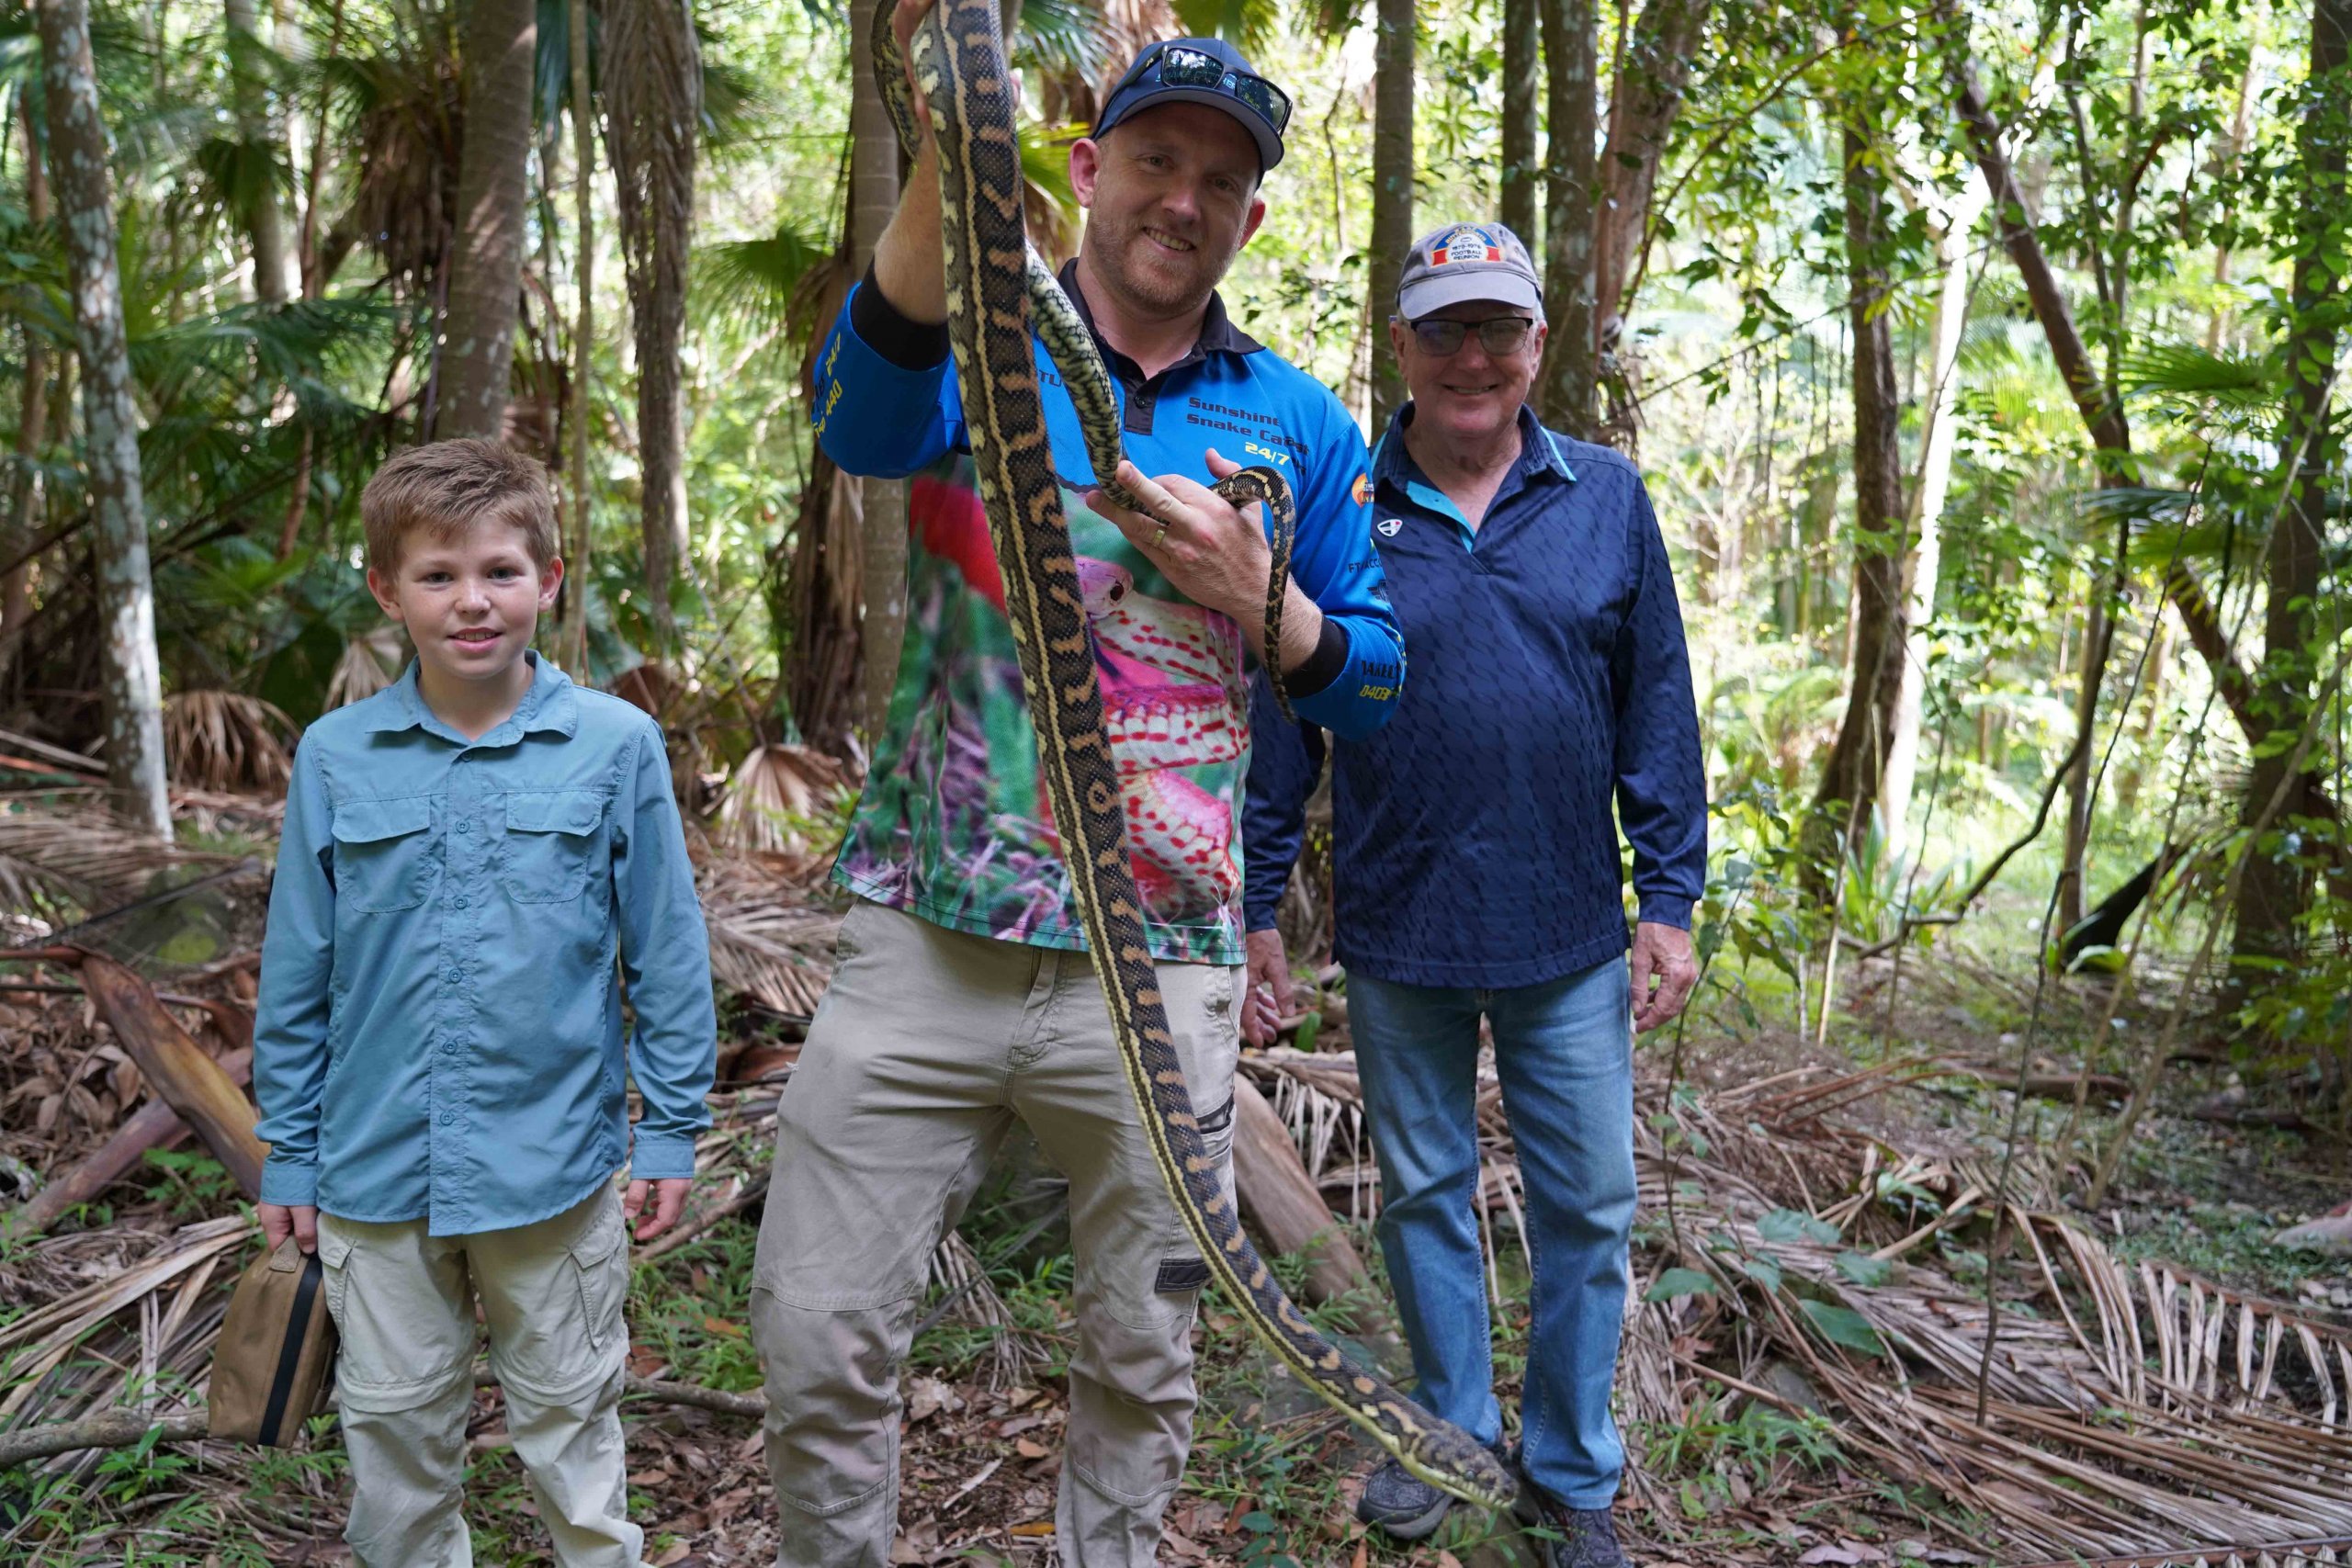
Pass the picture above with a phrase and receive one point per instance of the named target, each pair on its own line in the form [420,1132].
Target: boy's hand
[299,1221]
[668,1202]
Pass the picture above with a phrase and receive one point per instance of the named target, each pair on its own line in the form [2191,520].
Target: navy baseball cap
[1202,71]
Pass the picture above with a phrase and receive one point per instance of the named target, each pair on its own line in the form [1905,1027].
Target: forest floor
[1723,1474]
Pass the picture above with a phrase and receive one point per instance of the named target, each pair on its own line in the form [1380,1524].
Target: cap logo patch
[1390,527]
[1466,245]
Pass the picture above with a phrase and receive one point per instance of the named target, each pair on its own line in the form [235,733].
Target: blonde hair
[445,488]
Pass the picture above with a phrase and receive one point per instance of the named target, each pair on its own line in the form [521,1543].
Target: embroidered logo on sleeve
[1363,491]
[1390,527]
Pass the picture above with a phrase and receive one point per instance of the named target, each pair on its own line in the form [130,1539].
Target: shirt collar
[550,706]
[1218,335]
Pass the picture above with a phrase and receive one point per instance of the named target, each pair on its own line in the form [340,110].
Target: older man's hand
[1270,988]
[1664,971]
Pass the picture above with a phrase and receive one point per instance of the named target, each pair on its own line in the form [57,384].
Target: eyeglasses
[1177,67]
[1496,335]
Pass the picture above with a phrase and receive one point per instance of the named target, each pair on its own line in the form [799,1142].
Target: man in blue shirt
[1476,871]
[964,1000]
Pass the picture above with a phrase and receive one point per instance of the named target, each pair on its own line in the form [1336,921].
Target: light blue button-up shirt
[440,1031]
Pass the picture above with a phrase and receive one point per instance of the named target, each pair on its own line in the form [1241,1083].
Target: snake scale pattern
[993,279]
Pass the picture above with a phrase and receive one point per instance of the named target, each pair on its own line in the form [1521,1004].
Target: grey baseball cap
[1467,261]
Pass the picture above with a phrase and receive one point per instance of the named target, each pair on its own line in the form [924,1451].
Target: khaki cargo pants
[928,1044]
[404,1303]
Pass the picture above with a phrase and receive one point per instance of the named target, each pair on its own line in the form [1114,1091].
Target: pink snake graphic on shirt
[1172,696]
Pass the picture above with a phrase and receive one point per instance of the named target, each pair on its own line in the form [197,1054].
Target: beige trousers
[404,1303]
[928,1044]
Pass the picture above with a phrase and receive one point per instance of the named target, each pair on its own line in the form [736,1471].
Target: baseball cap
[1202,71]
[1467,261]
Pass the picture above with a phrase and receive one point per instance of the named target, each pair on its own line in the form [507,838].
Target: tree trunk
[1850,783]
[486,258]
[1927,507]
[1567,390]
[820,665]
[571,634]
[1643,108]
[1392,195]
[264,222]
[881,549]
[1522,80]
[25,490]
[132,679]
[2276,890]
[652,98]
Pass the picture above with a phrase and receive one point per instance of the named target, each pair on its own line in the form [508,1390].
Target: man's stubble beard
[1114,260]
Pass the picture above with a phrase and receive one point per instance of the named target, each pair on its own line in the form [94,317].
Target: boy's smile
[470,603]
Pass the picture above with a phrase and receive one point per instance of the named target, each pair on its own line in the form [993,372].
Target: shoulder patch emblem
[1363,491]
[1389,526]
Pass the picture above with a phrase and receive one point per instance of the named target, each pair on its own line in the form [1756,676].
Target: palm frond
[779,797]
[761,281]
[369,663]
[2242,381]
[227,740]
[84,855]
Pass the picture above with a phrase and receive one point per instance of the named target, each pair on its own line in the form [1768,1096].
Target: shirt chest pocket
[550,842]
[384,854]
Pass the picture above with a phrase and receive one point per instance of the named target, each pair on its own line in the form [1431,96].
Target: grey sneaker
[1402,1506]
[1578,1538]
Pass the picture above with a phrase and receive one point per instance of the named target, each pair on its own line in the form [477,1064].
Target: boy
[439,1049]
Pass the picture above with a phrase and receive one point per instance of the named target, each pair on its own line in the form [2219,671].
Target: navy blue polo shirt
[1475,840]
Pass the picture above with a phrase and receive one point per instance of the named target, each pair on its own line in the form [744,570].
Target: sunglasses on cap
[1174,66]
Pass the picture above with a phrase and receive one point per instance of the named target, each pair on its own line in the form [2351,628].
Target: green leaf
[1864,1269]
[1793,1225]
[1258,1523]
[1765,1272]
[1843,1326]
[1676,1283]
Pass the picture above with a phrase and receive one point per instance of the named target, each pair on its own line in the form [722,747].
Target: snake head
[1463,1469]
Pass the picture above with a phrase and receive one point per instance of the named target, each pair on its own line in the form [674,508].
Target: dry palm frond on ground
[83,854]
[227,740]
[769,942]
[2128,1410]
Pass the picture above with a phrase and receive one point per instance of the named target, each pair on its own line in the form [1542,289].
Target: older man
[1477,871]
[964,1000]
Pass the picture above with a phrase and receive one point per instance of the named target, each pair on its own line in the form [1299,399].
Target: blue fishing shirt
[440,1030]
[1473,839]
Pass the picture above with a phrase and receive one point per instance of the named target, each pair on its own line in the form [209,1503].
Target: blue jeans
[1565,1050]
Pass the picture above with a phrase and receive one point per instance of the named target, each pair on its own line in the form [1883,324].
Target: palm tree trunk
[1522,80]
[486,259]
[571,634]
[880,548]
[1928,507]
[652,98]
[1850,783]
[2276,889]
[1392,195]
[1568,392]
[131,678]
[24,494]
[264,223]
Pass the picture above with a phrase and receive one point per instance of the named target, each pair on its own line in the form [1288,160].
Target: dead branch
[155,1125]
[190,1081]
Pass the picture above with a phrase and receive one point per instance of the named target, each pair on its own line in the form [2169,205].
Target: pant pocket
[600,1260]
